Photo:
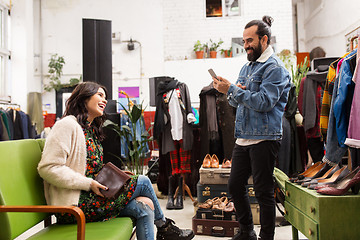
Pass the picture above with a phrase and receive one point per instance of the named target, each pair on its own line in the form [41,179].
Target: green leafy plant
[198,46]
[136,143]
[215,45]
[226,51]
[297,71]
[56,64]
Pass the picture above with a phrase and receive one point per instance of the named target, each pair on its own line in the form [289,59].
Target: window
[4,50]
[223,8]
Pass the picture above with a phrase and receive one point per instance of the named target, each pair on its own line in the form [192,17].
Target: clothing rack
[7,103]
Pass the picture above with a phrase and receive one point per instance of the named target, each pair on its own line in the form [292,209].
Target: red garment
[180,159]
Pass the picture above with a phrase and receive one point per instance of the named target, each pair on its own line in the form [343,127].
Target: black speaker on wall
[97,56]
[153,87]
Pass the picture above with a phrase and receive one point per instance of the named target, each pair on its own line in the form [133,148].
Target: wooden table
[320,216]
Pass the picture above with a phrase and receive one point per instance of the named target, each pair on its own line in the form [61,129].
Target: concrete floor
[183,219]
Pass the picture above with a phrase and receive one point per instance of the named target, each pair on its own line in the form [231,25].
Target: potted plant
[56,64]
[227,52]
[213,47]
[199,49]
[297,71]
[134,138]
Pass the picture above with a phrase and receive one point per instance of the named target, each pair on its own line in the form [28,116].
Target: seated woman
[72,157]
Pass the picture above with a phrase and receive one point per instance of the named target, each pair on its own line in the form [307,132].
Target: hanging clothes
[217,123]
[289,160]
[15,125]
[326,99]
[344,96]
[15,120]
[162,124]
[5,132]
[25,121]
[335,151]
[313,85]
[309,103]
[353,133]
[7,126]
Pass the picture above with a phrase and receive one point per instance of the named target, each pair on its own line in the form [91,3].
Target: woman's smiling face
[96,105]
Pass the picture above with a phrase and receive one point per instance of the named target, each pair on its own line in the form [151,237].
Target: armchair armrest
[76,211]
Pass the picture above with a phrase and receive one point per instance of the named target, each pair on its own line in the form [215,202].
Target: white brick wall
[167,30]
[185,23]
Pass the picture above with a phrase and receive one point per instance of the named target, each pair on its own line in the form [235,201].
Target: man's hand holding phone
[220,84]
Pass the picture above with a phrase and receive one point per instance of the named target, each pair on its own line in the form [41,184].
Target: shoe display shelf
[209,191]
[321,217]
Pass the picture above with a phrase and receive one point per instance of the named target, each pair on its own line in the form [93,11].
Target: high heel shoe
[226,163]
[229,207]
[305,172]
[317,172]
[207,161]
[214,161]
[335,178]
[208,204]
[220,203]
[328,174]
[352,179]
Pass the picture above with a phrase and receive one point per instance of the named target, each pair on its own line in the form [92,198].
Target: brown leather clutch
[114,178]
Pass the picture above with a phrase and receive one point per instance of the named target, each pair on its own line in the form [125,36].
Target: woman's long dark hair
[76,106]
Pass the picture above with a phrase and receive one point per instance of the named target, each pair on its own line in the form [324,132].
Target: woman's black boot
[170,203]
[179,197]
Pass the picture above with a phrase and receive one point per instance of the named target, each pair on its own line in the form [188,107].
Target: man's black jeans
[257,160]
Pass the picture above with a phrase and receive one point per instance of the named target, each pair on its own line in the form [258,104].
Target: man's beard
[255,54]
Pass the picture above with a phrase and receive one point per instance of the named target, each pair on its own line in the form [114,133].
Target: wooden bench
[23,205]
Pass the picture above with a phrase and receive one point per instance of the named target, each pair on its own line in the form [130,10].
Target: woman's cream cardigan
[63,163]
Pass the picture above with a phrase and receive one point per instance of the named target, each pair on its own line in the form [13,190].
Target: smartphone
[212,73]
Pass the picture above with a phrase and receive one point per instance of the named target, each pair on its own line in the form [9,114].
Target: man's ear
[264,39]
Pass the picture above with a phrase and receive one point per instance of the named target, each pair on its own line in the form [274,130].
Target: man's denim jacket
[261,105]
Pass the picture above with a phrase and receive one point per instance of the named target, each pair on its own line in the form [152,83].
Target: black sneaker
[243,235]
[171,232]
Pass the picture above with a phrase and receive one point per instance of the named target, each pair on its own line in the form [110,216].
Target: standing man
[260,96]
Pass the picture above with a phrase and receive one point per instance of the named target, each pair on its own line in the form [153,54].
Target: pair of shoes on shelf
[171,232]
[327,175]
[336,177]
[220,203]
[208,203]
[217,203]
[210,161]
[301,175]
[226,163]
[318,171]
[343,186]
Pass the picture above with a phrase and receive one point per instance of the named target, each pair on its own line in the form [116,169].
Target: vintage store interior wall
[327,24]
[166,30]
